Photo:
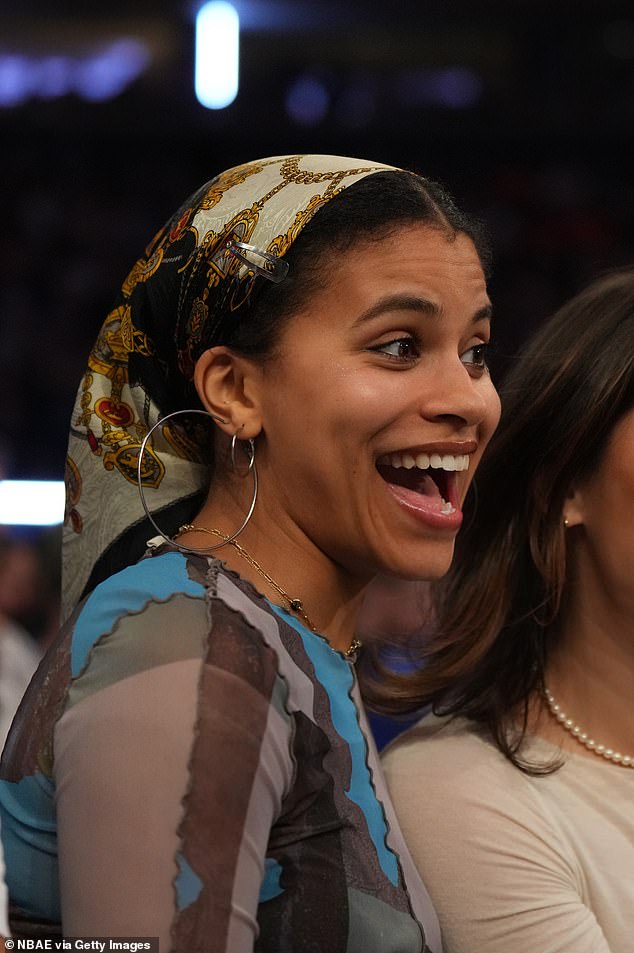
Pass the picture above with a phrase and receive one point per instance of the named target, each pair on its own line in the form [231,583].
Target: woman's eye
[401,349]
[476,356]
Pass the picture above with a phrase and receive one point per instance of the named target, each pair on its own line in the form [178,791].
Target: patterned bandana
[176,302]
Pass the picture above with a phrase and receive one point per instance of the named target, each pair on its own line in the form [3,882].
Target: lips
[426,483]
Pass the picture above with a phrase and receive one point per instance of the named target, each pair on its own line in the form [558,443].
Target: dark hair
[499,610]
[371,209]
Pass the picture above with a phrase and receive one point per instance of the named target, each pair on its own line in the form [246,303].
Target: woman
[200,768]
[517,802]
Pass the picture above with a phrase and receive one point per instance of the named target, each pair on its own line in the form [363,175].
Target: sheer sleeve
[171,761]
[496,868]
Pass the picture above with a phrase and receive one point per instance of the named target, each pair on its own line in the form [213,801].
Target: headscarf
[179,299]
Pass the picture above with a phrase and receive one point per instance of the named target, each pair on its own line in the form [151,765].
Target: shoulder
[150,596]
[451,746]
[501,852]
[154,578]
[451,767]
[157,641]
[452,786]
[461,803]
[175,608]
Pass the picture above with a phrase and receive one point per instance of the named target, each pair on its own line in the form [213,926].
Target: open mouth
[430,476]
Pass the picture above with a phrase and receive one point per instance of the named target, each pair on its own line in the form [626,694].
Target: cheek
[626,478]
[493,412]
[490,420]
[611,493]
[344,404]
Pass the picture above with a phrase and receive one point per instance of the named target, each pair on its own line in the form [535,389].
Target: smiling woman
[298,360]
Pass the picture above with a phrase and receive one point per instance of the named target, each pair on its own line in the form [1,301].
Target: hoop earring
[250,452]
[252,470]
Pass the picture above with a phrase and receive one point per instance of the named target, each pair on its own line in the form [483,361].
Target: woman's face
[604,506]
[379,405]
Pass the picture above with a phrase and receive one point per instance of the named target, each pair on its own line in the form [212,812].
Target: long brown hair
[499,610]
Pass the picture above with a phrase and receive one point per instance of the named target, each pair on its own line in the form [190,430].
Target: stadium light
[31,502]
[217,54]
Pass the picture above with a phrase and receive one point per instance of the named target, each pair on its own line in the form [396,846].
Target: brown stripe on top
[237,681]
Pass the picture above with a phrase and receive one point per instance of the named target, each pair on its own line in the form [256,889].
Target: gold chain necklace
[624,760]
[295,605]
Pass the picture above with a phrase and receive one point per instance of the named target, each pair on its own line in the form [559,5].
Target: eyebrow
[405,302]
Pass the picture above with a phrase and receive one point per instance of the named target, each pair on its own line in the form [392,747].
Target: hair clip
[275,269]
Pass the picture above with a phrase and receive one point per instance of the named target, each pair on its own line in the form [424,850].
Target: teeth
[448,461]
[447,508]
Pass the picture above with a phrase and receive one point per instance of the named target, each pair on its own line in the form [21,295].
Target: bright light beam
[31,502]
[217,54]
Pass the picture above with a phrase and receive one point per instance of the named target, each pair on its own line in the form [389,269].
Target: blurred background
[523,108]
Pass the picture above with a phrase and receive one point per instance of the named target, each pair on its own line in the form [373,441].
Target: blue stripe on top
[127,592]
[271,882]
[335,675]
[188,884]
[29,829]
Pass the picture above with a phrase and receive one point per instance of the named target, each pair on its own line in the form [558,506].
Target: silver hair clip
[267,265]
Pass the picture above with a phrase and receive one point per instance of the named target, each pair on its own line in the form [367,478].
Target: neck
[331,597]
[591,672]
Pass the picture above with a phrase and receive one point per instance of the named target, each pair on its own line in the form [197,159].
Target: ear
[226,383]
[574,509]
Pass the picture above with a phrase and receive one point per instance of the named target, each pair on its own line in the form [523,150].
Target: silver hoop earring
[250,453]
[252,470]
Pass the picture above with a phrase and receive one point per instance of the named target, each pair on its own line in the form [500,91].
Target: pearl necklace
[623,760]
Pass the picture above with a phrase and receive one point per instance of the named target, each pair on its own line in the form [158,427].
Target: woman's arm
[170,770]
[499,874]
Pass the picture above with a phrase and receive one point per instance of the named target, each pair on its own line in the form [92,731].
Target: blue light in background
[15,79]
[106,74]
[55,77]
[96,77]
[307,100]
[31,502]
[217,54]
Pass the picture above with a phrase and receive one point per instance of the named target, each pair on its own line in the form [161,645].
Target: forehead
[441,266]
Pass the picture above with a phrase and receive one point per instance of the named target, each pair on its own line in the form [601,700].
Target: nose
[460,394]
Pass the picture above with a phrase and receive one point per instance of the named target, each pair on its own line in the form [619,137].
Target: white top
[516,863]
